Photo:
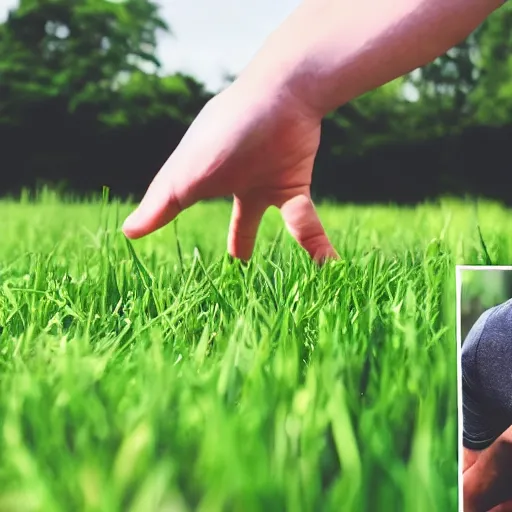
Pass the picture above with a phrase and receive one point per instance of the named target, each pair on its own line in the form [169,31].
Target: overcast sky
[212,37]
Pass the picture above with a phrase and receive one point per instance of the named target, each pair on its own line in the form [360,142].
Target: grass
[163,377]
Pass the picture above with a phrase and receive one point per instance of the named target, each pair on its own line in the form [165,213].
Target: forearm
[331,51]
[484,484]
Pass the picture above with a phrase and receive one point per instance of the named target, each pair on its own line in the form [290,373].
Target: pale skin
[258,139]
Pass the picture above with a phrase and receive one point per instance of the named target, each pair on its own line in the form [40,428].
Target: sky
[211,37]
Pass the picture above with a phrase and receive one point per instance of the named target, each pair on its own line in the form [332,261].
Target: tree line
[83,105]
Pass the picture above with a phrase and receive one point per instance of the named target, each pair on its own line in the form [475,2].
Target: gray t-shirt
[487,378]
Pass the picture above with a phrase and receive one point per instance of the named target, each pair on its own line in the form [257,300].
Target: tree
[444,84]
[73,51]
[492,97]
[144,98]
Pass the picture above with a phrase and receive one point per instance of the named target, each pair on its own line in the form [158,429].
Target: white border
[458,284]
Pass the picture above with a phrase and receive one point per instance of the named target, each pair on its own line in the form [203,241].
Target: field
[161,376]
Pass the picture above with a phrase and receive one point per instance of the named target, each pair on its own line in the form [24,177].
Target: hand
[257,146]
[470,457]
[487,481]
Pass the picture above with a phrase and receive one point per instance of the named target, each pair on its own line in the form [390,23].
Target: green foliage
[78,50]
[145,97]
[90,67]
[492,98]
[155,378]
[488,287]
[470,84]
[480,290]
[444,84]
[362,123]
[96,52]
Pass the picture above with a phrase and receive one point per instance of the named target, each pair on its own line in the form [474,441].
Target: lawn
[161,376]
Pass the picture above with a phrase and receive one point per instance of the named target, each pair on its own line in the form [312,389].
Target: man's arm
[487,481]
[258,139]
[331,51]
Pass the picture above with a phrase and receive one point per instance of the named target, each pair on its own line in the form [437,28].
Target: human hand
[487,482]
[257,146]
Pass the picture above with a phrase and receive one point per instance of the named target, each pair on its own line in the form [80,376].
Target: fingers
[159,206]
[245,220]
[302,221]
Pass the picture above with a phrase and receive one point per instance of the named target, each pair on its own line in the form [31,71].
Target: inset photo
[485,387]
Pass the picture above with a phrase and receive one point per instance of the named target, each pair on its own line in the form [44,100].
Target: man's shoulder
[493,322]
[499,318]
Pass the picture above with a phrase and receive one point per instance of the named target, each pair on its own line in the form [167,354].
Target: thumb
[161,204]
[302,222]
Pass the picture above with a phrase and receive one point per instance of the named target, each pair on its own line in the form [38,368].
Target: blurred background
[481,290]
[98,92]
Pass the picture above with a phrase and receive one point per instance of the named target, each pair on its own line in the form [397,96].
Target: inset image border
[458,283]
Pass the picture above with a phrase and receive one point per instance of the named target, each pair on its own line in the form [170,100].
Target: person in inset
[486,366]
[257,140]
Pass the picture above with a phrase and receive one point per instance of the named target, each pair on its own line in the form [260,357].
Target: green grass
[167,378]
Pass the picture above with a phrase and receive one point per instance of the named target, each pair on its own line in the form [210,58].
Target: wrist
[290,63]
[280,85]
